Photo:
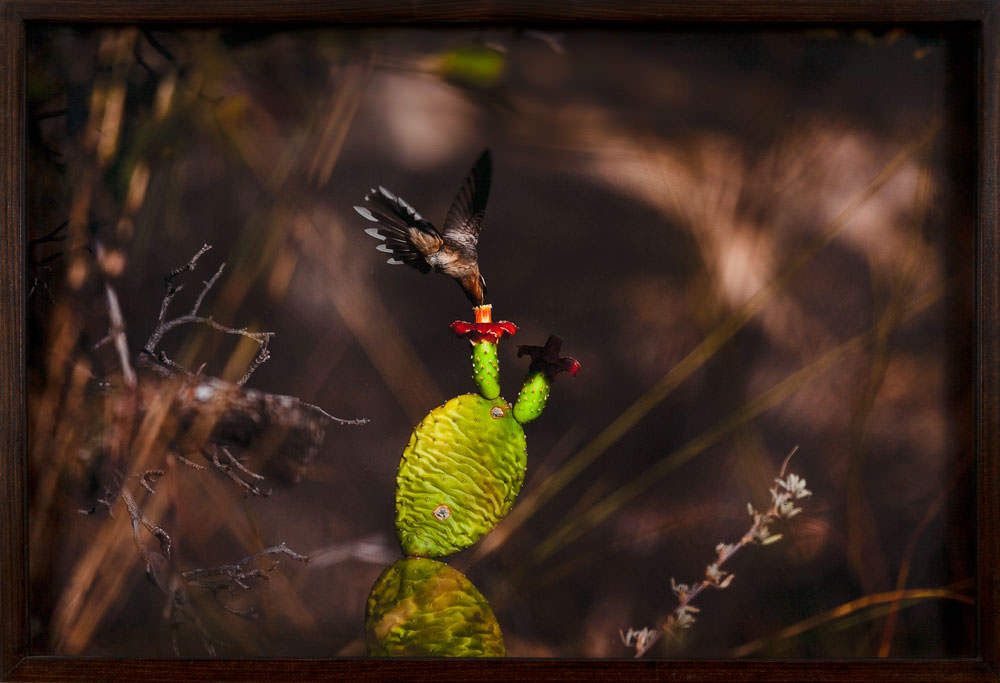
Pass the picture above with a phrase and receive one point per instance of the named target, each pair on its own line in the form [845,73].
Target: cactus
[424,608]
[546,363]
[459,475]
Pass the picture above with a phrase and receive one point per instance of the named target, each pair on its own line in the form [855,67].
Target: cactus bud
[486,368]
[532,397]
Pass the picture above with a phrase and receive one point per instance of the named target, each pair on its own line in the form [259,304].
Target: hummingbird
[454,250]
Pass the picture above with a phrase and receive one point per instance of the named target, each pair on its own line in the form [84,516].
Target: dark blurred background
[751,240]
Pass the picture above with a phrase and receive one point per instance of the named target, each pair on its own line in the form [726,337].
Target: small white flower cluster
[783,497]
[795,489]
[716,576]
[682,616]
[641,640]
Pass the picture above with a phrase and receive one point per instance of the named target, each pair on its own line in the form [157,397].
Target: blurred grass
[573,528]
[864,549]
[532,500]
[875,604]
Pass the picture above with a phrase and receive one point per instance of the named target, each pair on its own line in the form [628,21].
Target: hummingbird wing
[465,217]
[404,232]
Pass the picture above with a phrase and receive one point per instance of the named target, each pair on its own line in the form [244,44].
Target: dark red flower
[547,358]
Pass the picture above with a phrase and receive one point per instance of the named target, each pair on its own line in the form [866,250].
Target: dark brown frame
[16,662]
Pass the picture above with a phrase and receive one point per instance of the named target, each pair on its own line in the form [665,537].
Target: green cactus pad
[459,475]
[424,608]
[532,397]
[486,368]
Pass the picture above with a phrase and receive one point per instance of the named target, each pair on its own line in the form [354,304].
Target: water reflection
[420,607]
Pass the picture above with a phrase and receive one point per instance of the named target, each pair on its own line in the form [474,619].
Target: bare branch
[207,286]
[784,465]
[104,340]
[170,364]
[375,549]
[338,420]
[189,463]
[261,338]
[263,354]
[117,333]
[138,519]
[228,464]
[167,298]
[108,501]
[163,325]
[234,415]
[239,573]
[149,478]
[187,267]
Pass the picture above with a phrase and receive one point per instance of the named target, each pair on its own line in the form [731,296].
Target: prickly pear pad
[424,608]
[459,475]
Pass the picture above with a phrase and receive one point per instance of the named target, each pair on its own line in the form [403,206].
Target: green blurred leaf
[476,65]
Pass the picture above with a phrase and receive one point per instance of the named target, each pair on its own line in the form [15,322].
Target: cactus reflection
[420,607]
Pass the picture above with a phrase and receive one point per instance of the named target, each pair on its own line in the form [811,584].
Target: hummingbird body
[412,240]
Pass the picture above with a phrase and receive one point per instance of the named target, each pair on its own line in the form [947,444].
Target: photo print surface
[501,342]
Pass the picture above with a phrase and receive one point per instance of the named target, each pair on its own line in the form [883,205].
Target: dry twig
[263,339]
[211,417]
[785,492]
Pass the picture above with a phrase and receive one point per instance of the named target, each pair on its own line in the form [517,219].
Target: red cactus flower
[483,328]
[475,332]
[547,358]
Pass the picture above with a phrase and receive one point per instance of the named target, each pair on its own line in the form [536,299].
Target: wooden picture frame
[17,662]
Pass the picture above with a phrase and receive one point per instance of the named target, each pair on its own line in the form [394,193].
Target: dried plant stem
[950,592]
[783,496]
[228,464]
[911,547]
[139,520]
[334,418]
[116,334]
[102,570]
[187,267]
[240,572]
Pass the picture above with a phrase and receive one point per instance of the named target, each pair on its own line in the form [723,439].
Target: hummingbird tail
[398,226]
